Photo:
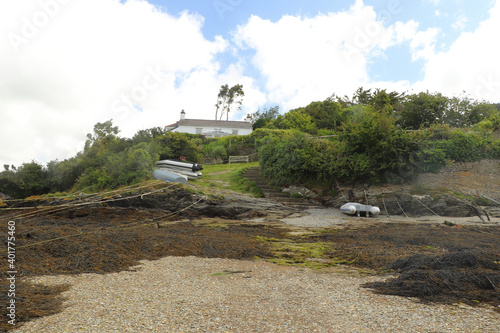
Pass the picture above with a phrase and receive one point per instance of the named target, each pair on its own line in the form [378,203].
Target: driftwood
[473,208]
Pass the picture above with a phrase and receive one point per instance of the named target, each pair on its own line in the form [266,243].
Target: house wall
[195,130]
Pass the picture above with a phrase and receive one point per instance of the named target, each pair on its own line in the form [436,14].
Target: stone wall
[469,178]
[431,192]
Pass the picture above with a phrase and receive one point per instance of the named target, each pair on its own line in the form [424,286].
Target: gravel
[331,218]
[190,294]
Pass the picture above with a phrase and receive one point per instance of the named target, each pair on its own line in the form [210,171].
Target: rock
[302,190]
[229,205]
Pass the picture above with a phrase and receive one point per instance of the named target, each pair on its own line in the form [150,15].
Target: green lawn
[228,176]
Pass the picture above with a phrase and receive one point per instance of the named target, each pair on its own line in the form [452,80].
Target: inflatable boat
[356,209]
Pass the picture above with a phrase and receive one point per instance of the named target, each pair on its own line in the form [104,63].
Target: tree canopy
[226,98]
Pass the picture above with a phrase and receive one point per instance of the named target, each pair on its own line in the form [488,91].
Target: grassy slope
[229,177]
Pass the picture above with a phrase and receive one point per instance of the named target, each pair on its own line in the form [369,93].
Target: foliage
[296,158]
[422,110]
[214,150]
[296,119]
[325,115]
[368,146]
[380,100]
[107,161]
[377,144]
[264,117]
[148,135]
[222,148]
[102,131]
[373,136]
[29,179]
[173,145]
[490,124]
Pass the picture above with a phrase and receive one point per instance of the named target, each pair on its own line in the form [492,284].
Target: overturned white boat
[169,176]
[356,209]
[189,170]
[179,164]
[182,171]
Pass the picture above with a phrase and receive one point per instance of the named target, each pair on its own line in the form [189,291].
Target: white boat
[183,171]
[169,176]
[353,208]
[192,166]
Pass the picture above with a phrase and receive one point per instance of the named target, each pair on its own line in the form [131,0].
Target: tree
[32,179]
[294,119]
[373,143]
[148,135]
[480,112]
[173,145]
[226,98]
[382,101]
[423,110]
[326,114]
[101,131]
[362,96]
[262,118]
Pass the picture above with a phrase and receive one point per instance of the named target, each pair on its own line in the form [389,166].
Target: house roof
[172,126]
[214,123]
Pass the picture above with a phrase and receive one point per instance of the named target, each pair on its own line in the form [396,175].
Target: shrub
[219,151]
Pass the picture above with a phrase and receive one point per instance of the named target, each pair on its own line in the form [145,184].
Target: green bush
[431,159]
[297,159]
[463,147]
[173,145]
[490,124]
[219,151]
[368,146]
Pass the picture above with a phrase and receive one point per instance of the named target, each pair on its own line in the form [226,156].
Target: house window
[235,132]
[199,130]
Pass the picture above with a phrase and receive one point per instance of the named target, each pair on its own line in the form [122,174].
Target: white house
[211,128]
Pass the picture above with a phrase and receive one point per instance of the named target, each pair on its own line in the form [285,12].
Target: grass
[229,177]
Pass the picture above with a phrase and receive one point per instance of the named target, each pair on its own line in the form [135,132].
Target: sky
[66,65]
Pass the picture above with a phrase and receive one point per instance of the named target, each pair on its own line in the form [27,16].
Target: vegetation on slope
[375,136]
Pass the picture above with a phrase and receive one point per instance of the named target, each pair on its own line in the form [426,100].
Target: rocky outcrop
[224,205]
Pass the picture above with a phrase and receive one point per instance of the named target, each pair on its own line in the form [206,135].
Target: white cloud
[70,64]
[77,62]
[303,59]
[423,43]
[308,58]
[469,64]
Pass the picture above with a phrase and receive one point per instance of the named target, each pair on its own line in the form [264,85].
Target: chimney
[183,115]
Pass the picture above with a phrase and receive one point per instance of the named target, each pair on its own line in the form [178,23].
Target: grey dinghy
[355,209]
